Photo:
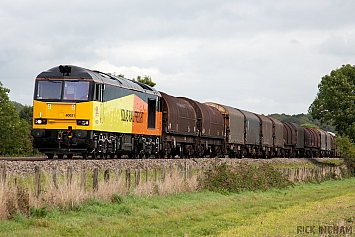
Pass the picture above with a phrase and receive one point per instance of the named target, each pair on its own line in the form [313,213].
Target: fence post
[54,177]
[185,170]
[155,175]
[107,175]
[69,175]
[128,179]
[118,174]
[37,181]
[146,175]
[163,174]
[190,172]
[96,180]
[202,174]
[3,174]
[83,178]
[137,176]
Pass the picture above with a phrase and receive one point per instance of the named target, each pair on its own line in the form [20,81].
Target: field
[303,210]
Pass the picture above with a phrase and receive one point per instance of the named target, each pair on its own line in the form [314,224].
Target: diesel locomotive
[80,111]
[77,111]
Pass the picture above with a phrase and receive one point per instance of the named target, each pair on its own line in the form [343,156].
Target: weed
[116,198]
[125,210]
[38,212]
[226,178]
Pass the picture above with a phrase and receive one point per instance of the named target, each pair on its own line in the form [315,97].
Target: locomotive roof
[69,72]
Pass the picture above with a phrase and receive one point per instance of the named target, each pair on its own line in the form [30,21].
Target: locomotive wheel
[60,156]
[70,156]
[50,155]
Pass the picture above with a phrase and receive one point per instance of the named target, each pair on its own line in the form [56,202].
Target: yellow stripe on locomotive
[128,114]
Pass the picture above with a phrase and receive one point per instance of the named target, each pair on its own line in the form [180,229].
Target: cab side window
[98,92]
[151,112]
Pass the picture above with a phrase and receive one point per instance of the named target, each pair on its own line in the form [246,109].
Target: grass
[272,213]
[311,163]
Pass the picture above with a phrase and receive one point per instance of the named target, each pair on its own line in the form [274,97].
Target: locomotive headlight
[82,122]
[40,121]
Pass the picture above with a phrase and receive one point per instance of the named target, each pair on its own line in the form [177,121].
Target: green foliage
[146,80]
[19,204]
[347,149]
[18,105]
[38,212]
[335,101]
[116,198]
[305,120]
[14,132]
[308,125]
[227,178]
[26,114]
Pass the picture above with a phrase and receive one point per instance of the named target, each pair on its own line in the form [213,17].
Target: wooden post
[146,175]
[118,174]
[185,170]
[83,178]
[37,181]
[128,179]
[3,174]
[190,172]
[95,183]
[69,175]
[163,174]
[202,173]
[155,175]
[137,176]
[107,175]
[54,177]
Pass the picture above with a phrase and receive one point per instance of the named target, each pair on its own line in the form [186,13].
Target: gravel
[26,168]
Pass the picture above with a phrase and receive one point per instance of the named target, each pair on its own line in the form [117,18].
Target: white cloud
[258,56]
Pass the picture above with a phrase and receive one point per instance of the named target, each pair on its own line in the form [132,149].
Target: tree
[335,100]
[309,125]
[18,106]
[26,114]
[14,132]
[146,80]
[305,120]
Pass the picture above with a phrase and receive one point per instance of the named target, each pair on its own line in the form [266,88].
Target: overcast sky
[261,56]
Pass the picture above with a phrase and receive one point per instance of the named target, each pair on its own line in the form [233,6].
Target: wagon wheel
[104,155]
[70,156]
[157,155]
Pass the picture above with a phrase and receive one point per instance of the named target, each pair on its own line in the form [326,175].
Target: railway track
[44,158]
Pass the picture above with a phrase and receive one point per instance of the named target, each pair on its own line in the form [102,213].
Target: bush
[347,149]
[226,178]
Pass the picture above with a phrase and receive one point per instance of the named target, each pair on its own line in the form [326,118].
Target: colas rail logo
[131,116]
